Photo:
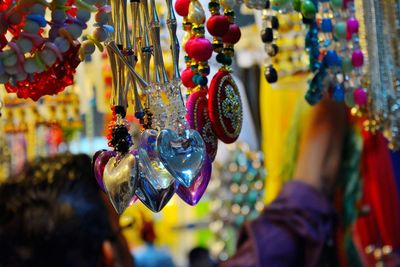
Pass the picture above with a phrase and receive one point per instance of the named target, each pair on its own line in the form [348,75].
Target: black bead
[274,22]
[273,50]
[271,75]
[220,58]
[308,21]
[267,35]
[267,4]
[120,110]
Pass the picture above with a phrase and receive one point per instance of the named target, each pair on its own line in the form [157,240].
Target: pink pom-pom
[360,97]
[357,58]
[186,77]
[188,44]
[352,25]
[200,49]
[182,7]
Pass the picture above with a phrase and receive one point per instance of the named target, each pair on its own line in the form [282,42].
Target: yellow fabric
[278,104]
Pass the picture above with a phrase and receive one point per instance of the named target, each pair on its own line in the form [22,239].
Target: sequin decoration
[199,120]
[225,107]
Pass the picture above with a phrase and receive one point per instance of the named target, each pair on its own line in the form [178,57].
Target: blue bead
[327,42]
[196,78]
[108,28]
[139,114]
[331,58]
[338,93]
[326,25]
[203,81]
[38,19]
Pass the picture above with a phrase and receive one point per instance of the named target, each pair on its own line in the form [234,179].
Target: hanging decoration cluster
[353,49]
[381,36]
[333,44]
[236,196]
[39,56]
[175,149]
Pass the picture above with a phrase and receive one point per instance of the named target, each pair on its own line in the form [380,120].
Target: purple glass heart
[100,160]
[133,200]
[191,195]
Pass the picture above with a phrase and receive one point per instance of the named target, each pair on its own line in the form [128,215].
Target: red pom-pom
[182,7]
[186,77]
[200,49]
[233,35]
[218,25]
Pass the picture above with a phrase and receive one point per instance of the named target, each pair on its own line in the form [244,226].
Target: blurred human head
[52,214]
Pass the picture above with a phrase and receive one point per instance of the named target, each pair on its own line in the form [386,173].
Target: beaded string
[269,36]
[176,105]
[343,89]
[197,47]
[357,57]
[231,37]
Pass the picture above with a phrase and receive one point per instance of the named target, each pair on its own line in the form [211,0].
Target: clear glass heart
[149,162]
[120,180]
[156,185]
[182,154]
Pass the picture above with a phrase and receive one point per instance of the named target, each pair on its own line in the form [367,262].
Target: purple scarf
[290,232]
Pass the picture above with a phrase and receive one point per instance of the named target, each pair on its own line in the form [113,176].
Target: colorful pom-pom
[218,25]
[360,97]
[233,35]
[187,76]
[182,7]
[200,49]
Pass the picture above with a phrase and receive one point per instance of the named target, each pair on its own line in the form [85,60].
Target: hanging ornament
[225,107]
[194,77]
[269,36]
[224,103]
[169,154]
[198,118]
[32,64]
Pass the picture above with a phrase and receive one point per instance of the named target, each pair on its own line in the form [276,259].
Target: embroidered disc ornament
[199,120]
[225,107]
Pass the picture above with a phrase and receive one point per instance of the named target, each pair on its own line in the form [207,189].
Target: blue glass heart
[120,180]
[182,154]
[156,184]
